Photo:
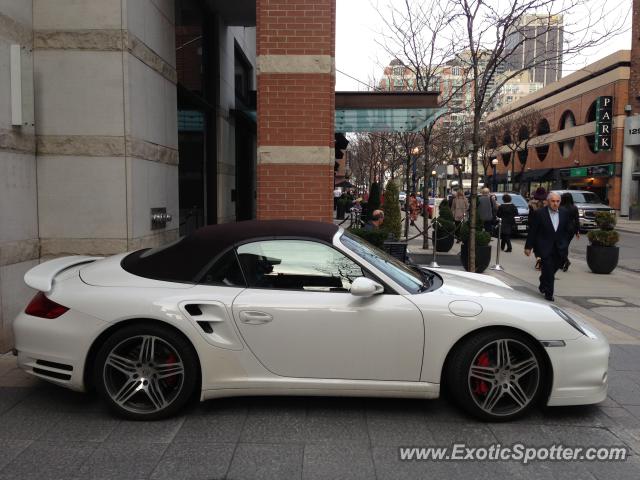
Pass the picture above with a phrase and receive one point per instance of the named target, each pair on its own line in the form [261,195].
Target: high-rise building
[535,44]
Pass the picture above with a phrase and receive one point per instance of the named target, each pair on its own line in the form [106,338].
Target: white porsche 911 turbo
[298,308]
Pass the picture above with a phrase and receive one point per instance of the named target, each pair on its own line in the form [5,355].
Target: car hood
[466,284]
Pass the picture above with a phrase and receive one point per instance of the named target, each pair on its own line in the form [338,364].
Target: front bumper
[580,371]
[55,349]
[588,223]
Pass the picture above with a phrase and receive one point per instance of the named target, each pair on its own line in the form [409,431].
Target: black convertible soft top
[185,259]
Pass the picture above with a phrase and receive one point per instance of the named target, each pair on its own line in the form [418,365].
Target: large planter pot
[341,209]
[602,259]
[444,243]
[483,257]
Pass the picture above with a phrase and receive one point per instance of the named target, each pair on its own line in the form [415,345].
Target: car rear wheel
[146,372]
[497,375]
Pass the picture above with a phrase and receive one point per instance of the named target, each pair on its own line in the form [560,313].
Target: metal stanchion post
[497,266]
[433,263]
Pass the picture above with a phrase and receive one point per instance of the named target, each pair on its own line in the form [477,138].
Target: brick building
[561,153]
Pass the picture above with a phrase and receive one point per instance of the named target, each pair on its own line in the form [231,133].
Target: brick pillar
[634,81]
[296,103]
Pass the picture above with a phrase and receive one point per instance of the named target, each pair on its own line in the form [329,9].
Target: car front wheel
[497,375]
[146,372]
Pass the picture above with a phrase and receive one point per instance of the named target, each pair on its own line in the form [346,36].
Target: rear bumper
[55,349]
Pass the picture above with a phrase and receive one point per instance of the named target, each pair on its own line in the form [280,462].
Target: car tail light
[41,306]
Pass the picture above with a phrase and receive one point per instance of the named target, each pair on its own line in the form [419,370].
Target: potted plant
[392,218]
[483,249]
[446,228]
[602,253]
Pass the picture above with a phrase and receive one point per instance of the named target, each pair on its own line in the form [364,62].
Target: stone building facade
[131,108]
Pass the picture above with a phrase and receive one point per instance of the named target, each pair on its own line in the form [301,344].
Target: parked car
[522,220]
[588,204]
[298,308]
[402,196]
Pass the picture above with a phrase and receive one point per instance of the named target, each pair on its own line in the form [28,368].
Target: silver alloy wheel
[143,374]
[504,377]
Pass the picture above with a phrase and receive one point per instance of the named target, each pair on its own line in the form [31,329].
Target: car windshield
[409,279]
[585,197]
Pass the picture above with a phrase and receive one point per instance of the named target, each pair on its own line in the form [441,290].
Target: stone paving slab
[300,437]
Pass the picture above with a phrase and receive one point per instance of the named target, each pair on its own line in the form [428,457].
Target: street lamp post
[494,162]
[415,151]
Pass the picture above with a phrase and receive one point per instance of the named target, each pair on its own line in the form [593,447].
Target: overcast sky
[358,25]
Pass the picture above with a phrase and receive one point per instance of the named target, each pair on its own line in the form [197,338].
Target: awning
[533,175]
[345,184]
[382,111]
[385,111]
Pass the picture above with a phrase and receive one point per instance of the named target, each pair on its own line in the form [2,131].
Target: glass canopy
[384,119]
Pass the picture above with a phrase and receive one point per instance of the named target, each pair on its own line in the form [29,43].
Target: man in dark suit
[548,238]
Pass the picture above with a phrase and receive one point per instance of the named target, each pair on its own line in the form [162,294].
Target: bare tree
[493,30]
[415,33]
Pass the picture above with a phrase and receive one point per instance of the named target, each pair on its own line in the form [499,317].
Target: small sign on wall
[604,124]
[632,130]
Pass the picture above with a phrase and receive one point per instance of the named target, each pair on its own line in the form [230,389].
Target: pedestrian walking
[507,212]
[487,209]
[538,201]
[549,238]
[459,207]
[566,202]
[414,208]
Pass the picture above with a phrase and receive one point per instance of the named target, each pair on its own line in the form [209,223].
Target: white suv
[588,204]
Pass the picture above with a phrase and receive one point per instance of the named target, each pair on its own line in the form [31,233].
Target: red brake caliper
[481,387]
[171,381]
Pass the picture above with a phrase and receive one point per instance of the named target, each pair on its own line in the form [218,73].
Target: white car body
[319,343]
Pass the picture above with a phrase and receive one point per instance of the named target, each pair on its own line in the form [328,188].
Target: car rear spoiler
[41,277]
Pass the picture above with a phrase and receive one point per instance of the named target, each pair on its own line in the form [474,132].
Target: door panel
[332,334]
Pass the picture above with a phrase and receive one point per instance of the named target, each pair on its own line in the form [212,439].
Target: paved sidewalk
[626,225]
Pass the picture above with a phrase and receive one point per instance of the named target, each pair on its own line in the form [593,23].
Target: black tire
[469,391]
[166,385]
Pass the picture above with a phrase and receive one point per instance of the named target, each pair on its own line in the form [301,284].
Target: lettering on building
[604,124]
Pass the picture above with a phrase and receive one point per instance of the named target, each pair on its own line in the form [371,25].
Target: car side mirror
[365,287]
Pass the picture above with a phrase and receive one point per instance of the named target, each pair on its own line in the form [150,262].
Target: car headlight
[577,324]
[580,212]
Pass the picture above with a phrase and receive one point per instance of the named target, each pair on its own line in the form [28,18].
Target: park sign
[604,122]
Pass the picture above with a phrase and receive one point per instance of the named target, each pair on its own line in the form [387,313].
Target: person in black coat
[566,202]
[549,238]
[507,212]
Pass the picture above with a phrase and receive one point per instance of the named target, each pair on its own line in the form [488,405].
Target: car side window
[225,272]
[297,265]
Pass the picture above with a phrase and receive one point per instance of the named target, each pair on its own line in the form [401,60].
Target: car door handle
[255,318]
